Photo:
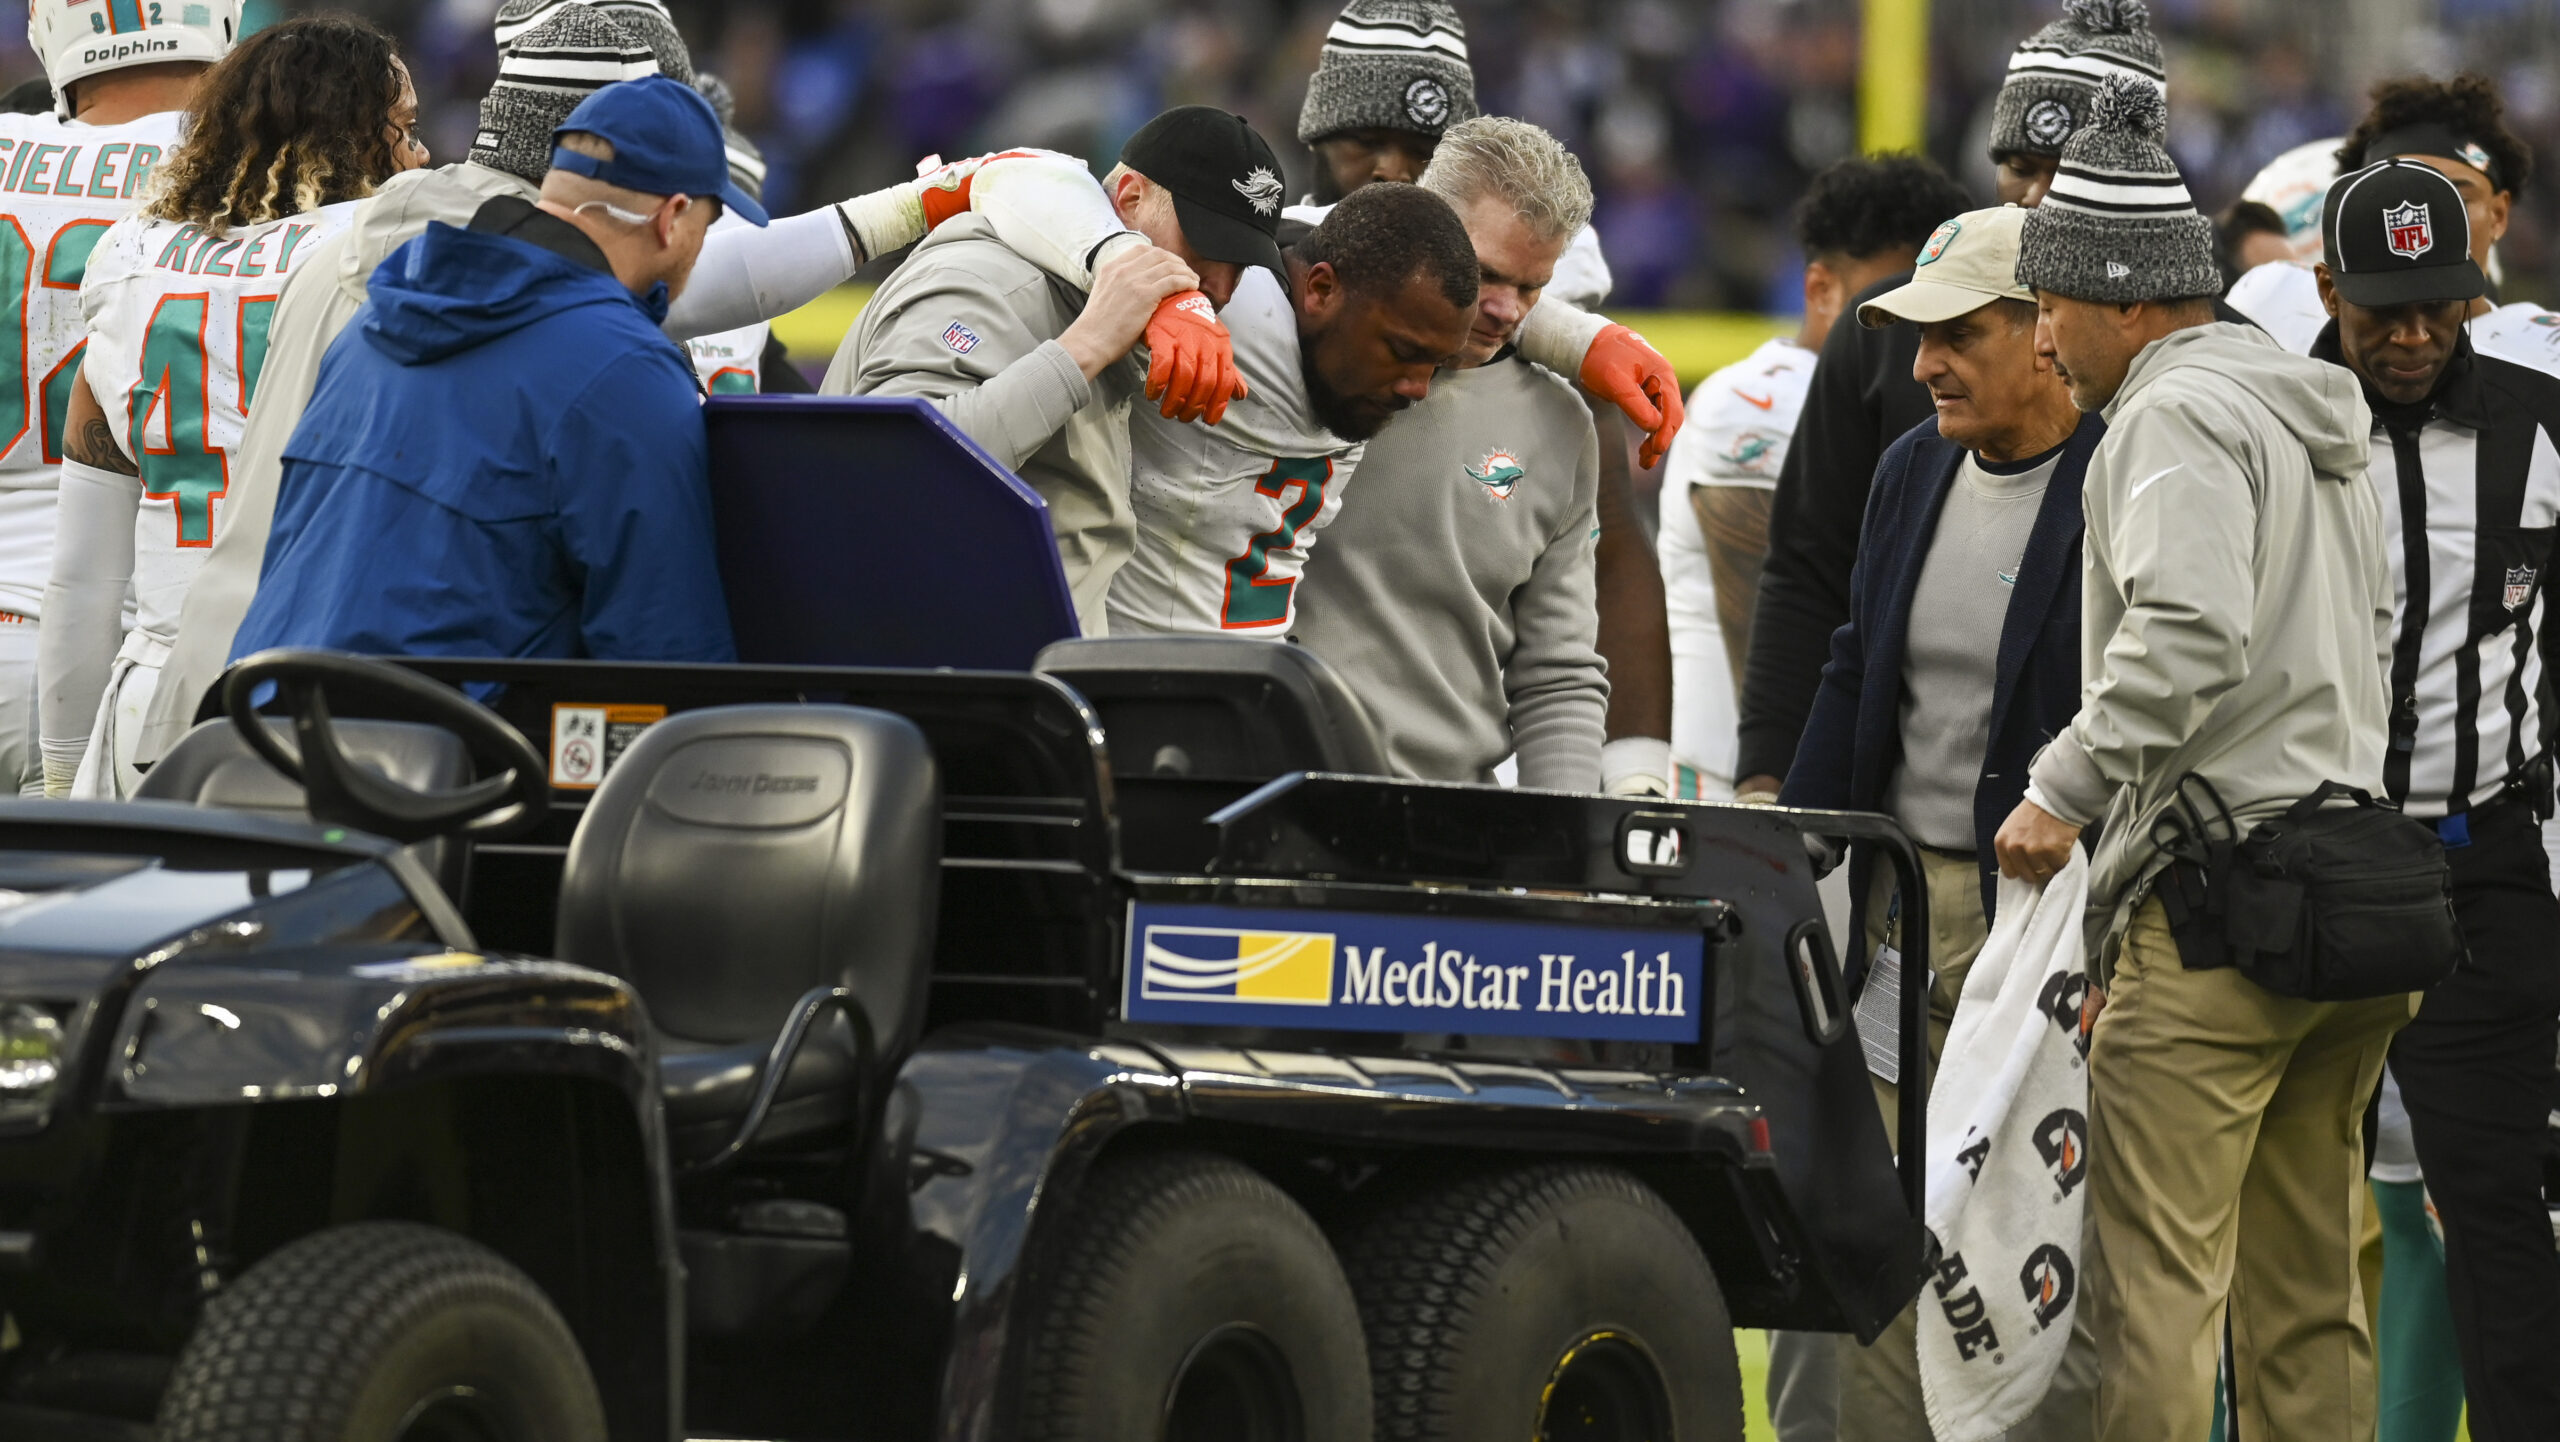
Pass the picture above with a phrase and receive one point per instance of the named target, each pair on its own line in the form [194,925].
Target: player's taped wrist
[1636,766]
[61,765]
[885,220]
[1558,336]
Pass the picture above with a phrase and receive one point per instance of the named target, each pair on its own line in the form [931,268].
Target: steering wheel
[348,793]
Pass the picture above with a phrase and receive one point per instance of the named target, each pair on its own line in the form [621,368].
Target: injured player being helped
[1372,303]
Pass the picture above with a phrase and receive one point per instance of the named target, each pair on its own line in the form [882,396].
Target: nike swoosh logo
[1757,401]
[2145,483]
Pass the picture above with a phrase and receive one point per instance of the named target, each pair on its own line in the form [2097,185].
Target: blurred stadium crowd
[1700,120]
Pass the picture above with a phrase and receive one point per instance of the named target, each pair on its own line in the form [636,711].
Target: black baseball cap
[1224,180]
[2396,233]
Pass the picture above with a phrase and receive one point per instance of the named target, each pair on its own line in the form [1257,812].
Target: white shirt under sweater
[1455,594]
[1951,649]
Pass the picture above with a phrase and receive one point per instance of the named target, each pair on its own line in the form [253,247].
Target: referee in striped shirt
[2465,467]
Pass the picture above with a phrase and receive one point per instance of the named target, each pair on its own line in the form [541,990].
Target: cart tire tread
[1120,1227]
[1429,1266]
[286,1353]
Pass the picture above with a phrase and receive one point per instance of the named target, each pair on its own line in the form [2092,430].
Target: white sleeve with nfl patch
[965,347]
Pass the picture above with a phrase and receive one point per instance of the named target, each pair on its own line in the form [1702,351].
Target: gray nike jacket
[2236,611]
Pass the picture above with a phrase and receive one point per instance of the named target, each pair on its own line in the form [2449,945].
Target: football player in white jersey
[1322,373]
[122,70]
[285,135]
[1740,420]
[1860,221]
[2459,127]
[1379,296]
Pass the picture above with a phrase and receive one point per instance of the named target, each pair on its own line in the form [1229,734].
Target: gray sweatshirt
[2236,617]
[1455,593]
[971,324]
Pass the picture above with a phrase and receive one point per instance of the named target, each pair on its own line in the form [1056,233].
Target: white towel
[2008,1167]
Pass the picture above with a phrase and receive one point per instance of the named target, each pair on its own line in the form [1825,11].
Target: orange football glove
[1191,361]
[1634,377]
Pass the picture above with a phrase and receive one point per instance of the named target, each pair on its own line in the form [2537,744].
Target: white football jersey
[2523,332]
[1227,513]
[732,362]
[177,332]
[62,184]
[1740,421]
[2284,299]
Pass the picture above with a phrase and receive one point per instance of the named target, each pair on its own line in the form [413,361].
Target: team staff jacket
[2469,483]
[504,456]
[2235,602]
[1456,596]
[1853,740]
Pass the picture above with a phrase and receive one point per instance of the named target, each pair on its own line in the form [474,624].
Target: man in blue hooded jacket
[504,455]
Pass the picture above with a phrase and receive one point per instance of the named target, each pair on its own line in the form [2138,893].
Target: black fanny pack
[2322,903]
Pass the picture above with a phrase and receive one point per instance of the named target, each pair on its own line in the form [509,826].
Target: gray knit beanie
[746,158]
[2053,75]
[1390,65]
[571,55]
[645,20]
[2118,224]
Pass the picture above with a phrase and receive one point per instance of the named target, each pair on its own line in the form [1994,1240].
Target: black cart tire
[1562,1303]
[1190,1300]
[381,1332]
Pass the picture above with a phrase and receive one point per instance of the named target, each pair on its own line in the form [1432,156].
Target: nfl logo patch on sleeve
[960,338]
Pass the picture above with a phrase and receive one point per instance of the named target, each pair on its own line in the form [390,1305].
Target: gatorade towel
[2008,1167]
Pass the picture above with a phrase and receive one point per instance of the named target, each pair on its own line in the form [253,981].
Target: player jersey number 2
[177,381]
[1254,599]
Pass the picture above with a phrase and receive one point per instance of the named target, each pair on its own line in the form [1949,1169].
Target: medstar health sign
[1350,971]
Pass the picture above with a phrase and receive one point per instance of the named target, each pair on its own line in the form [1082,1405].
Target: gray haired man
[2236,613]
[1455,592]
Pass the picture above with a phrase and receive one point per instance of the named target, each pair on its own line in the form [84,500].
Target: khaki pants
[1880,1398]
[2226,1167]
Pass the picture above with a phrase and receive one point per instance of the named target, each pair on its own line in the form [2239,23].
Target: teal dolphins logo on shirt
[1499,473]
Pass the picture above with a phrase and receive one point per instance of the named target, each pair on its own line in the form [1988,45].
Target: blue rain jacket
[503,457]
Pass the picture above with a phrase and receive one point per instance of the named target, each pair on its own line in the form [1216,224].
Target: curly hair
[298,117]
[1860,207]
[2468,104]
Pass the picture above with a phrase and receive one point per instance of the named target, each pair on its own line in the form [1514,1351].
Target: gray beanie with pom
[571,55]
[644,20]
[2118,224]
[1390,65]
[2055,73]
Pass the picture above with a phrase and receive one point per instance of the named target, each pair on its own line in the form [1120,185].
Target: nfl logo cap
[666,141]
[2396,233]
[1224,179]
[1968,263]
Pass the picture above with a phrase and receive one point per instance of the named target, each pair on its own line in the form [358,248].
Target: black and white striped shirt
[2469,482]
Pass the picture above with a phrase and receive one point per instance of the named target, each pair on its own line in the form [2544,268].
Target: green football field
[1754,1347]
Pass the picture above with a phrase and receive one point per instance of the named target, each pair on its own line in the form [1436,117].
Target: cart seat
[734,860]
[1217,707]
[212,766]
